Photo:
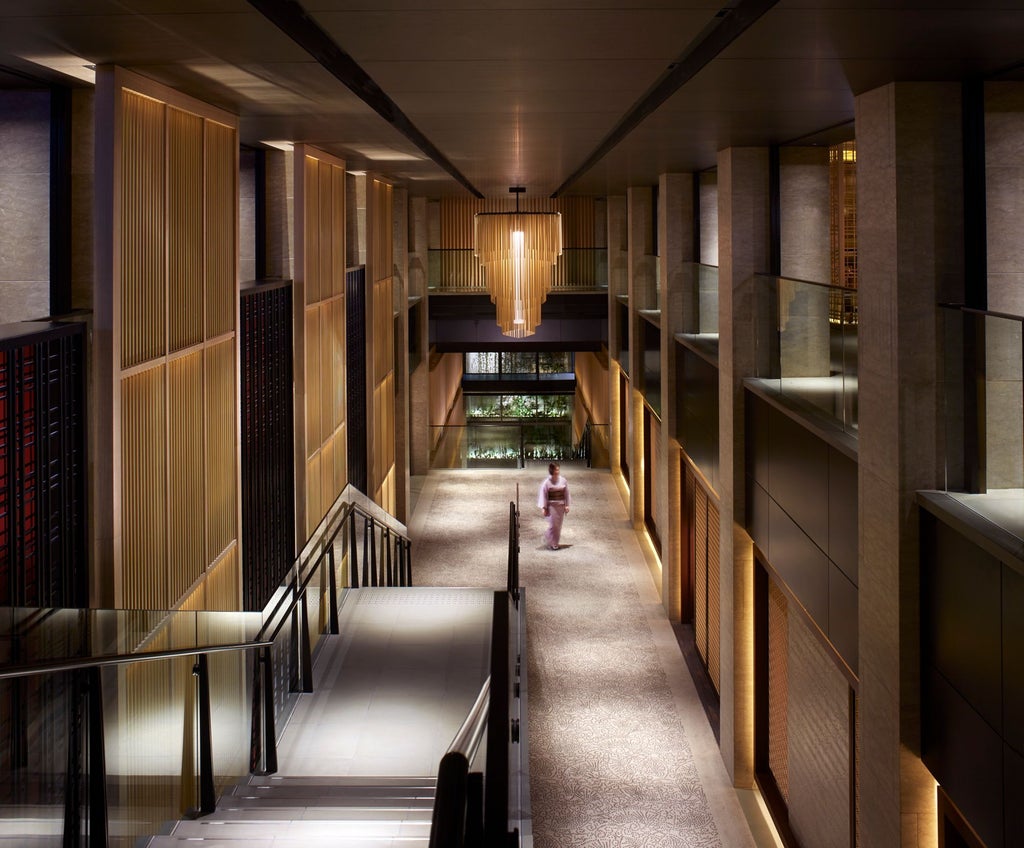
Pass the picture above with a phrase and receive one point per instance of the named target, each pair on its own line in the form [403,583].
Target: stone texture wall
[24,205]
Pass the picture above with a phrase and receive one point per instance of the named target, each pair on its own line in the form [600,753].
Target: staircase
[294,812]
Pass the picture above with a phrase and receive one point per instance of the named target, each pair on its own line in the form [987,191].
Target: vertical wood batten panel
[186,510]
[222,582]
[144,478]
[311,226]
[220,212]
[221,473]
[143,230]
[326,364]
[337,361]
[314,421]
[314,509]
[325,240]
[338,230]
[185,230]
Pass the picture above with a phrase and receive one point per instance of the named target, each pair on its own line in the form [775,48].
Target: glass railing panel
[33,635]
[984,360]
[806,341]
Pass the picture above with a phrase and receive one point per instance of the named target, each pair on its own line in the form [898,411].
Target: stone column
[804,207]
[642,290]
[675,245]
[910,256]
[419,376]
[280,211]
[618,283]
[744,239]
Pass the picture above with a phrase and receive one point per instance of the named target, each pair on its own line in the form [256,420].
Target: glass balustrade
[806,344]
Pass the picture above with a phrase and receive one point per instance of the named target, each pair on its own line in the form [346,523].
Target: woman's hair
[552,467]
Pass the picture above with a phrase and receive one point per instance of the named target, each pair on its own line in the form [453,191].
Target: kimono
[554,499]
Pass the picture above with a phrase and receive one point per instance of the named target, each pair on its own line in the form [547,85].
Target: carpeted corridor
[621,753]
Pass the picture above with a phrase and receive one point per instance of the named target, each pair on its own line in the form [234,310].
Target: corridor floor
[621,753]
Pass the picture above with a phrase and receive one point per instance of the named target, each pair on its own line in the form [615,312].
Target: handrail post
[207,793]
[353,552]
[269,729]
[367,541]
[498,727]
[97,763]
[371,531]
[332,591]
[73,767]
[306,656]
[386,543]
[408,561]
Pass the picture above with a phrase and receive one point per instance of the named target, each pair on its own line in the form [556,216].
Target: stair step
[340,780]
[329,841]
[255,810]
[302,829]
[333,796]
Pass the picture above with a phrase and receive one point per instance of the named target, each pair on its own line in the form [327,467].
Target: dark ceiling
[525,92]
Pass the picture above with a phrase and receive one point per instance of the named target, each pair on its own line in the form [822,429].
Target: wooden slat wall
[381,237]
[778,687]
[144,490]
[714,592]
[187,512]
[185,311]
[177,184]
[579,217]
[143,230]
[324,330]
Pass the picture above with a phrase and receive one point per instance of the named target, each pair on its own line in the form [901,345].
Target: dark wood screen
[268,456]
[355,336]
[43,554]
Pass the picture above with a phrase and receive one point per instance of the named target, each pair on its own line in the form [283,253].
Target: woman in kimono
[554,500]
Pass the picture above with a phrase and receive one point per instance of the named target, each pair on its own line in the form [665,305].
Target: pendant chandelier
[518,251]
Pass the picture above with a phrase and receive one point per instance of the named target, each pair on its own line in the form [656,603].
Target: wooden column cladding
[320,331]
[171,367]
[381,329]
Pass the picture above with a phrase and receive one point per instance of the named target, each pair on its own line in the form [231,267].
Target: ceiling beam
[729,23]
[296,23]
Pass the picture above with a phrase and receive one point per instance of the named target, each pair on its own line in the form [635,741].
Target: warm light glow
[518,251]
[67,64]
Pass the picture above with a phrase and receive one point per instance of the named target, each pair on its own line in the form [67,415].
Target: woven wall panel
[186,514]
[144,491]
[143,224]
[700,573]
[314,417]
[221,214]
[185,271]
[221,465]
[311,235]
[714,609]
[778,688]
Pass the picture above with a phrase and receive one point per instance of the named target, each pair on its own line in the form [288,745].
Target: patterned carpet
[610,761]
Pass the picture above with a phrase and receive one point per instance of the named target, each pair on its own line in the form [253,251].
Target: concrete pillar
[675,245]
[419,375]
[910,257]
[804,207]
[708,194]
[744,241]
